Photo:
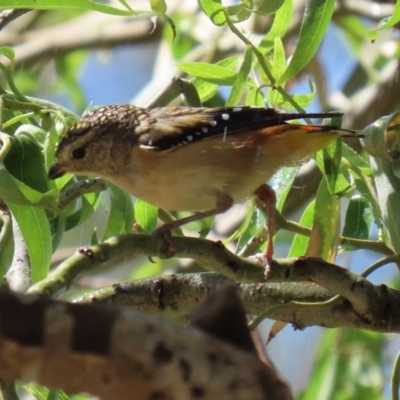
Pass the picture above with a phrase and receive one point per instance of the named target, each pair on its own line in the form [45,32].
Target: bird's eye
[79,153]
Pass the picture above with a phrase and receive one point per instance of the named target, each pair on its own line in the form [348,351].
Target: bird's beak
[56,171]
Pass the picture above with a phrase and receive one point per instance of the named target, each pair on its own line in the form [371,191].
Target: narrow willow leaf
[300,242]
[240,12]
[386,23]
[35,230]
[25,163]
[67,4]
[269,7]
[241,79]
[214,10]
[325,228]
[158,6]
[120,217]
[208,72]
[206,90]
[328,160]
[16,192]
[358,222]
[278,67]
[317,16]
[279,27]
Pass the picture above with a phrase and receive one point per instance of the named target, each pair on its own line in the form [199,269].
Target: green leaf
[206,225]
[65,4]
[251,229]
[268,7]
[354,158]
[324,232]
[10,54]
[348,365]
[158,6]
[279,27]
[8,71]
[89,204]
[6,249]
[243,228]
[146,216]
[281,182]
[214,10]
[300,242]
[255,97]
[59,127]
[16,192]
[386,23]
[42,393]
[206,90]
[278,67]
[147,269]
[382,138]
[240,12]
[209,72]
[317,16]
[241,79]
[328,160]
[303,100]
[388,193]
[24,161]
[120,219]
[35,230]
[322,383]
[358,222]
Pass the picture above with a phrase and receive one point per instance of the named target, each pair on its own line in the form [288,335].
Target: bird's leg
[223,203]
[266,195]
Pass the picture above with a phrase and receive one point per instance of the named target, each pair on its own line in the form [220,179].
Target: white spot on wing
[237,109]
[204,129]
[225,116]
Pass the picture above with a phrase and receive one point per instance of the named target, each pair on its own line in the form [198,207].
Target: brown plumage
[189,159]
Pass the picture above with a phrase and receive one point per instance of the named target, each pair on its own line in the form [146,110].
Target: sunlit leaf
[120,216]
[300,242]
[358,222]
[325,228]
[209,73]
[146,216]
[241,79]
[387,22]
[35,229]
[279,27]
[317,16]
[214,10]
[268,7]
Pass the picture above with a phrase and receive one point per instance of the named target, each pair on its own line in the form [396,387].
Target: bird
[191,158]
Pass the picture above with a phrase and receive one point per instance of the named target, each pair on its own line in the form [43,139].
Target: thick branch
[177,295]
[363,305]
[212,256]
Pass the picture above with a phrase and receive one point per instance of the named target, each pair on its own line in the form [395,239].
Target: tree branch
[362,304]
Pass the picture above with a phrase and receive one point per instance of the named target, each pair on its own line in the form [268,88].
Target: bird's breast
[187,178]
